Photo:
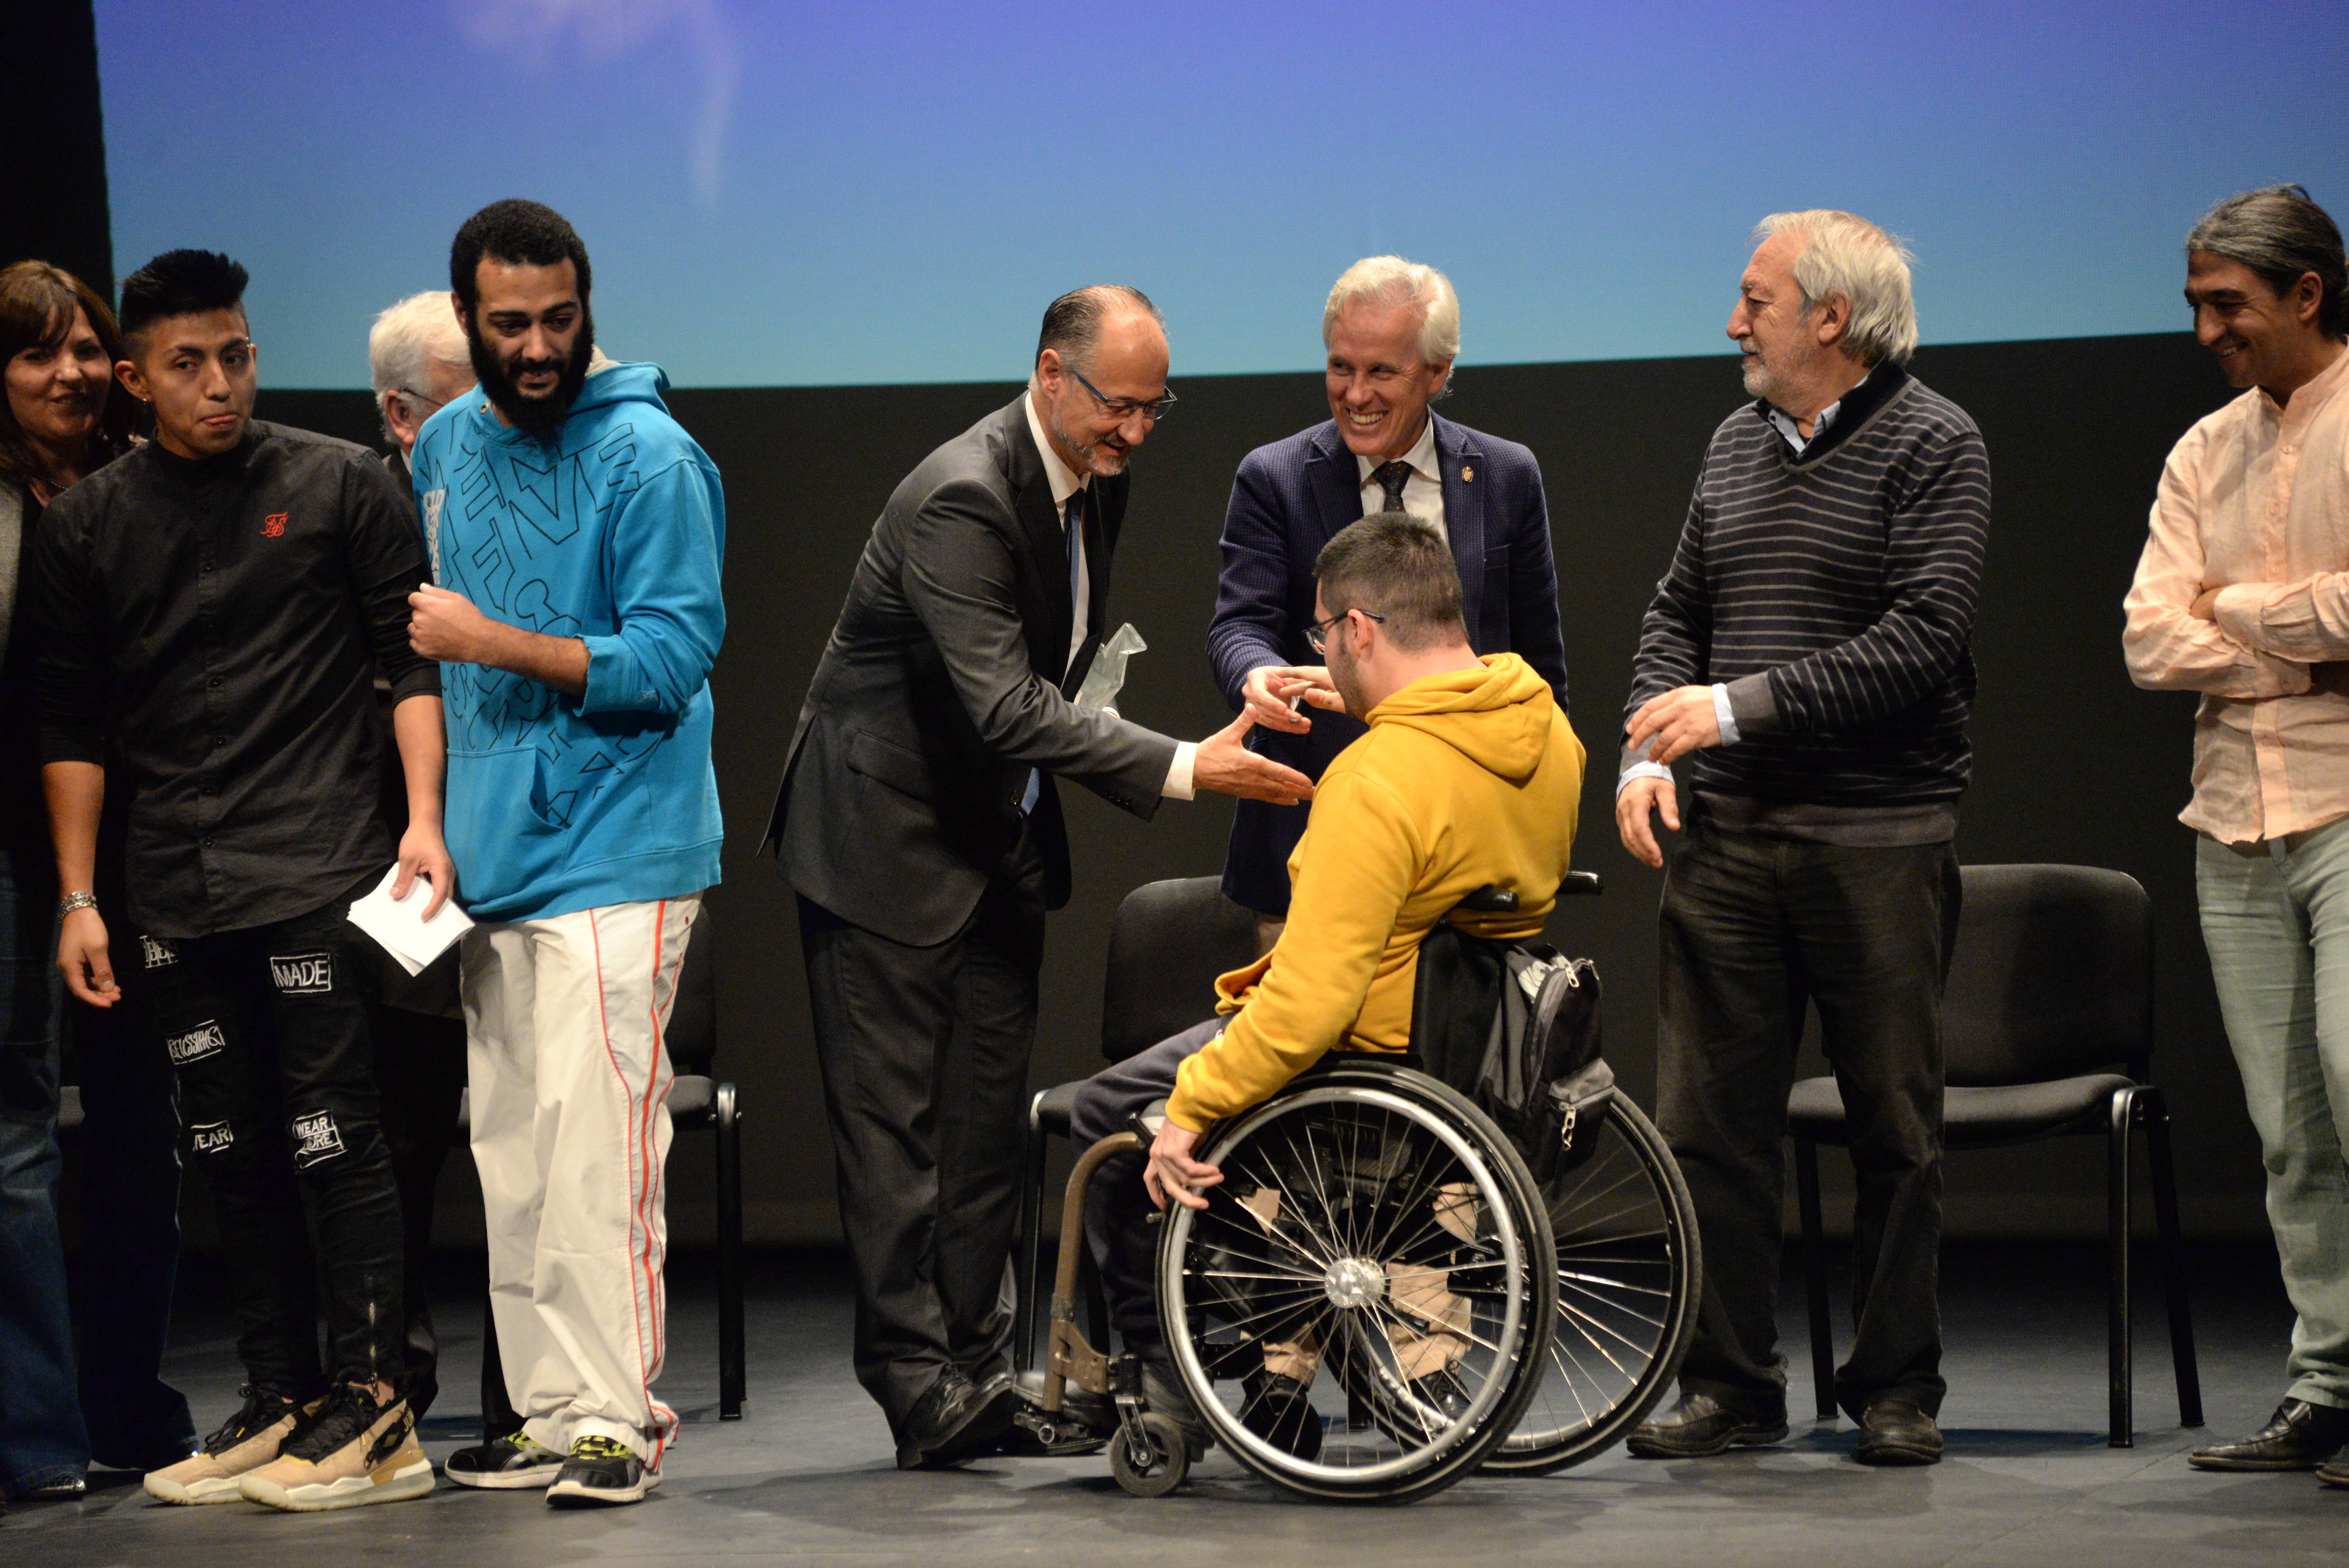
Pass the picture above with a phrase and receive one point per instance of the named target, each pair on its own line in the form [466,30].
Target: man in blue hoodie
[576,532]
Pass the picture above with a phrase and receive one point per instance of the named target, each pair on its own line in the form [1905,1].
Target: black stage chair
[1166,945]
[2050,991]
[697,1102]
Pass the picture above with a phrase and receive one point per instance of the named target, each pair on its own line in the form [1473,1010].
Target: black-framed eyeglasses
[1317,635]
[1127,407]
[414,397]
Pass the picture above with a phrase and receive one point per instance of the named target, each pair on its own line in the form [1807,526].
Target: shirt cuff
[1178,772]
[1641,770]
[1722,716]
[2239,611]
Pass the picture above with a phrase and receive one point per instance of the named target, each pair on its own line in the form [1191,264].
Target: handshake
[1269,697]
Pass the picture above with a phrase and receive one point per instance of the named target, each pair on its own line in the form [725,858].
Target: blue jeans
[2276,921]
[42,1440]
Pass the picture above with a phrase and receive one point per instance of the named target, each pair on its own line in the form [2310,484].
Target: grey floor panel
[806,1476]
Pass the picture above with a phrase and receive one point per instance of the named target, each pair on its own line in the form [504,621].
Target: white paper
[399,924]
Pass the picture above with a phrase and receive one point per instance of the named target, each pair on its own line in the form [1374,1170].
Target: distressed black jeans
[271,1031]
[1756,930]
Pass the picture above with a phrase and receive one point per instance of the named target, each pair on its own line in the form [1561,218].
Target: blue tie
[1073,527]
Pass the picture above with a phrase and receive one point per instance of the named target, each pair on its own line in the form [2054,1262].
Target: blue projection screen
[860,192]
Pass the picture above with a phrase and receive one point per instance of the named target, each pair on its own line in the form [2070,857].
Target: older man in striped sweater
[1810,650]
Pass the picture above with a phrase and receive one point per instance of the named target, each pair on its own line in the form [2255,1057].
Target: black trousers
[1118,1211]
[420,1076]
[272,1032]
[1755,931]
[925,1055]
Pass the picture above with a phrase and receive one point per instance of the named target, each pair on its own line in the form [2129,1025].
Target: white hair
[1390,280]
[1848,255]
[408,338]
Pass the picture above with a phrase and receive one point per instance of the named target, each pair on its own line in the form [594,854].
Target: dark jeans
[272,1031]
[421,1074]
[42,1438]
[1755,929]
[130,1258]
[925,1053]
[1118,1232]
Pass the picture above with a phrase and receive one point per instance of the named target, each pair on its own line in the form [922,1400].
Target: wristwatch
[74,900]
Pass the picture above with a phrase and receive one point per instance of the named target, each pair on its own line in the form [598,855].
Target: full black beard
[540,417]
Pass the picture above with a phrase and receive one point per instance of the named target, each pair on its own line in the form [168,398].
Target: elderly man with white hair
[1392,329]
[418,360]
[1810,652]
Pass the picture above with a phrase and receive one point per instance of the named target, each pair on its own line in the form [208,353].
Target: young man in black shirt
[213,607]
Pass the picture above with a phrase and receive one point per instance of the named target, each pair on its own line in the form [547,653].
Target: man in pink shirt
[2243,595]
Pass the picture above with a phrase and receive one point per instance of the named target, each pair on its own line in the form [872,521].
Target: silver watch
[74,900]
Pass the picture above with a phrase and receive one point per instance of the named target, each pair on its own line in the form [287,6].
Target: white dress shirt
[1066,482]
[1423,492]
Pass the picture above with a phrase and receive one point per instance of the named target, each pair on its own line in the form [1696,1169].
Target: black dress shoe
[956,1420]
[2300,1436]
[2334,1472]
[1700,1426]
[1894,1431]
[1280,1409]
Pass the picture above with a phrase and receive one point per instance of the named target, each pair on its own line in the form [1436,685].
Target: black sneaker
[601,1471]
[511,1463]
[1280,1409]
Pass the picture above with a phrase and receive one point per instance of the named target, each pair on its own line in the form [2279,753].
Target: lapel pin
[1467,475]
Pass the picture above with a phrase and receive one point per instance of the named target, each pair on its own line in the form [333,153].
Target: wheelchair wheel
[1378,1244]
[1629,1272]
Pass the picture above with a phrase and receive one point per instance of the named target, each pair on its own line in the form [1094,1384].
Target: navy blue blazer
[1288,498]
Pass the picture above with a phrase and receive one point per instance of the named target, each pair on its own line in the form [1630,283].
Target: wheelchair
[1379,1239]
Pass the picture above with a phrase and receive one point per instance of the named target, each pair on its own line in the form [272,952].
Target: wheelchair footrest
[1083,1425]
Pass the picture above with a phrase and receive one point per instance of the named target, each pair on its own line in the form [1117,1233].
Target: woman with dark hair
[59,421]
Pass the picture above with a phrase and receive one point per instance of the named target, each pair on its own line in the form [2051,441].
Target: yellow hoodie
[1463,779]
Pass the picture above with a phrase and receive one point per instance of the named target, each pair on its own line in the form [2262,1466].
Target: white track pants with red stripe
[569,1081]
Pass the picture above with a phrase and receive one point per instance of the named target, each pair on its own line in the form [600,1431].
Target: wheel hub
[1355,1282]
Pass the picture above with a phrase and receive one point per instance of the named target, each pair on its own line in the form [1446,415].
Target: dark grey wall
[2074,764]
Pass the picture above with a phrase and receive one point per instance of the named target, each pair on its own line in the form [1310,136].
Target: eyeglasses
[1317,635]
[414,397]
[1127,407]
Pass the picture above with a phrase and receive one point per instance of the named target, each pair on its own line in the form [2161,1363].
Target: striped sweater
[1833,592]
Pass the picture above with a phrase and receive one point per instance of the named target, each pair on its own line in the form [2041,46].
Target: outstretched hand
[1225,765]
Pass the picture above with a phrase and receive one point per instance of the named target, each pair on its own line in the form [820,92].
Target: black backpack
[1515,1027]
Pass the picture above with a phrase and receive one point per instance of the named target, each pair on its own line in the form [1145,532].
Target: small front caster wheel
[1153,1464]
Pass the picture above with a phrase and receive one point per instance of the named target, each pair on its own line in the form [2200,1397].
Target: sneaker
[1280,1409]
[601,1471]
[245,1441]
[351,1451]
[510,1463]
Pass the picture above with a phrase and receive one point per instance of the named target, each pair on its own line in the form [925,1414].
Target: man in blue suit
[1392,330]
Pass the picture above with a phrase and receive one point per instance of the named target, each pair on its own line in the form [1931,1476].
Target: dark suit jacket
[1288,500]
[947,678]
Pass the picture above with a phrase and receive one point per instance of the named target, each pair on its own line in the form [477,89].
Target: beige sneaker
[247,1440]
[352,1451]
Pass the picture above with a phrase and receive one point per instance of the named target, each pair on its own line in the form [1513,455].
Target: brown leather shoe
[2300,1436]
[1700,1426]
[1894,1431]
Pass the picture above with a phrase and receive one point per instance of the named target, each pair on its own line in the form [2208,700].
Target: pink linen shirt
[2256,498]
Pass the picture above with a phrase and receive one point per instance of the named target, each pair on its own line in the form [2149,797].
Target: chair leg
[1815,1276]
[2173,1257]
[730,1352]
[2121,1418]
[1028,1251]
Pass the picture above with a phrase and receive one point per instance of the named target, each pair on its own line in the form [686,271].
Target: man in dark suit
[1392,330]
[919,823]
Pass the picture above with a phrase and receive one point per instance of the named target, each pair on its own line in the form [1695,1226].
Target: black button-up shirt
[220,622]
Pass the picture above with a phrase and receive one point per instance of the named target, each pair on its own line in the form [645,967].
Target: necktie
[1072,529]
[1390,477]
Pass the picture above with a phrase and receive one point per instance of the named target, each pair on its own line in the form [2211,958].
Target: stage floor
[806,1475]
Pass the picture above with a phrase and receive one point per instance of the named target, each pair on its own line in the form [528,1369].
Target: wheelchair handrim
[1176,1310]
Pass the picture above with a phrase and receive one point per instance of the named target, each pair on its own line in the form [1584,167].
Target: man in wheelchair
[1469,777]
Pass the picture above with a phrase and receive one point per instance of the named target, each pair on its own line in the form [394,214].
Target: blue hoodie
[611,532]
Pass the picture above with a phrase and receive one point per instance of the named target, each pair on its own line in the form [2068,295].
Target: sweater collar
[1851,411]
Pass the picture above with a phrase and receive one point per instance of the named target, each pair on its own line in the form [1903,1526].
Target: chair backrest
[1166,945]
[692,1037]
[2052,976]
